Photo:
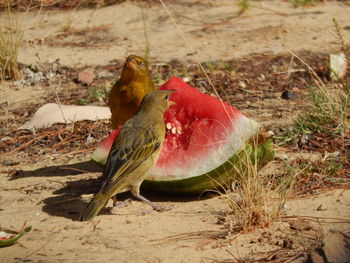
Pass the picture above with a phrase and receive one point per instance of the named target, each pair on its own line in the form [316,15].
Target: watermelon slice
[204,139]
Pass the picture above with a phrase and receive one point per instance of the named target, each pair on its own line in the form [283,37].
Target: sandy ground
[191,231]
[46,196]
[213,29]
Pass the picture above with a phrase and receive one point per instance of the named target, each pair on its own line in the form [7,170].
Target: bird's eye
[142,64]
[166,97]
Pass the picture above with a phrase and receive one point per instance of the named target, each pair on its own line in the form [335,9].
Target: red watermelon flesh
[202,133]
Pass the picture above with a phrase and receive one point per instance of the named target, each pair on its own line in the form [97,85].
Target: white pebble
[186,79]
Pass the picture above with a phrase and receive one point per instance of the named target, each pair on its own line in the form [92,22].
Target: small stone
[334,155]
[186,79]
[17,83]
[90,139]
[287,95]
[242,84]
[304,139]
[87,76]
[337,66]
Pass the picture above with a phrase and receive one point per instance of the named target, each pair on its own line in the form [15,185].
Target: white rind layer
[244,128]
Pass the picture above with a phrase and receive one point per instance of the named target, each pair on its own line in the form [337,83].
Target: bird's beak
[131,63]
[171,103]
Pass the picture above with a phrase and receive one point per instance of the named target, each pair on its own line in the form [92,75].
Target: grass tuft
[316,175]
[328,110]
[326,114]
[255,199]
[243,6]
[11,34]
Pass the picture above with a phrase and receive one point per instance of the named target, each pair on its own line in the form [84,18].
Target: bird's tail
[94,207]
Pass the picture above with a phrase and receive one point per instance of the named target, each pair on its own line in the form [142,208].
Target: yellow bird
[134,151]
[126,95]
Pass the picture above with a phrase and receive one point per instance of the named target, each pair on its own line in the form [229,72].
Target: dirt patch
[46,176]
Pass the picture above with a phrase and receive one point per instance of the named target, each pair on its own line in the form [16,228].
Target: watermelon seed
[168,125]
[179,130]
[173,130]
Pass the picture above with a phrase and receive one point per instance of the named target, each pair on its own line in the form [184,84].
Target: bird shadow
[67,200]
[59,170]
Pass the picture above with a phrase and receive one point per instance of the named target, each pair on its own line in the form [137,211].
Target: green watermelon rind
[11,241]
[219,177]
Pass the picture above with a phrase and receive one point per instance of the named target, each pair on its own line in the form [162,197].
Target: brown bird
[126,95]
[134,152]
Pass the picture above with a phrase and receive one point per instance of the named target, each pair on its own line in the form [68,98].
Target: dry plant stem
[54,87]
[58,99]
[77,151]
[255,199]
[333,106]
[147,48]
[318,218]
[319,81]
[341,39]
[193,53]
[27,143]
[32,253]
[10,38]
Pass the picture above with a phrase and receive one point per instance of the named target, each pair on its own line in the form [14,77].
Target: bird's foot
[156,207]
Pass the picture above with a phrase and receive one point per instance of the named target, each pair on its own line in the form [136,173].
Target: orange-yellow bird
[126,95]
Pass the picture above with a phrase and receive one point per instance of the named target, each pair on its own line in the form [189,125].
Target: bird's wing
[133,146]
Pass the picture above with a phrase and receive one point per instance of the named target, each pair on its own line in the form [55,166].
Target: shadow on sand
[67,202]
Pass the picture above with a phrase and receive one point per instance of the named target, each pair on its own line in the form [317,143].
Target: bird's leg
[135,191]
[114,199]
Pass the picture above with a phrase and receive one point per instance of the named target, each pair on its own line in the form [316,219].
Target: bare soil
[46,177]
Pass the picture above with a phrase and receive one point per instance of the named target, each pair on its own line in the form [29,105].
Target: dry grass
[255,198]
[11,34]
[328,110]
[329,107]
